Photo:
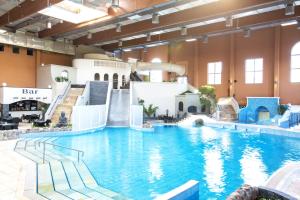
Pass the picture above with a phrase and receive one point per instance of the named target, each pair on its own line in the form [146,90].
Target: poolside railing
[78,152]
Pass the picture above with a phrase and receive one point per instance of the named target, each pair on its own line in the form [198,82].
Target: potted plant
[207,99]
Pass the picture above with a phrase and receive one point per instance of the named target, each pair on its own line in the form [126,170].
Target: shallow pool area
[143,165]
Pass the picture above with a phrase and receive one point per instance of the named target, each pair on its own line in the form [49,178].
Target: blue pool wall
[249,114]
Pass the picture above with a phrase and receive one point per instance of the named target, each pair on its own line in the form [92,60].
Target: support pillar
[196,69]
[232,66]
[276,61]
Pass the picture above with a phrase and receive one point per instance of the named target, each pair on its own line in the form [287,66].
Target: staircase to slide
[227,109]
[119,108]
[67,104]
[61,176]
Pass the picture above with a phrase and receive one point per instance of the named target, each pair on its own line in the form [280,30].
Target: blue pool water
[142,165]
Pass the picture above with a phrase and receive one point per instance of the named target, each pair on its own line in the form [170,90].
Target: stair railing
[78,152]
[54,104]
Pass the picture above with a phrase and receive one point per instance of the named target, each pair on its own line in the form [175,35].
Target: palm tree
[150,110]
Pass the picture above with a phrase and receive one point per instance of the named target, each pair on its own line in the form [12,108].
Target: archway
[180,106]
[192,109]
[123,81]
[97,77]
[262,113]
[115,81]
[106,77]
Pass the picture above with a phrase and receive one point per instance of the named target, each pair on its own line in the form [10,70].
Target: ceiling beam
[25,9]
[125,7]
[212,29]
[200,13]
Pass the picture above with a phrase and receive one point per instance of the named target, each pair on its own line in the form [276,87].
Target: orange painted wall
[19,70]
[289,92]
[56,58]
[261,44]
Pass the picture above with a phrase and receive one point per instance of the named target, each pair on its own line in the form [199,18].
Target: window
[180,106]
[105,77]
[214,73]
[16,49]
[295,63]
[254,71]
[97,77]
[115,81]
[1,47]
[123,81]
[30,52]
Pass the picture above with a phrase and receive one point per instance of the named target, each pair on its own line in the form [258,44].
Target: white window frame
[255,71]
[214,73]
[295,53]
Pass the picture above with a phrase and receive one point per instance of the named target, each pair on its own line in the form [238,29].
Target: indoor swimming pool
[144,165]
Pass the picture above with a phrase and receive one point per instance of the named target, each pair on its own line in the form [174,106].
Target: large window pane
[214,75]
[254,71]
[295,75]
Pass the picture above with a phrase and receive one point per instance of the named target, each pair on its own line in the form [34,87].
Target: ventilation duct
[22,40]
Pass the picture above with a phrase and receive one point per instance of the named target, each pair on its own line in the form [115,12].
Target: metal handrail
[76,150]
[54,105]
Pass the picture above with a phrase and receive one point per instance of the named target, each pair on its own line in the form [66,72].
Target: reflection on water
[213,170]
[155,166]
[253,169]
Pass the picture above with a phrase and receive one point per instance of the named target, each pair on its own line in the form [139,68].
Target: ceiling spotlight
[247,33]
[118,28]
[155,18]
[205,39]
[49,25]
[289,7]
[61,21]
[148,37]
[183,31]
[89,36]
[120,43]
[115,3]
[229,21]
[191,40]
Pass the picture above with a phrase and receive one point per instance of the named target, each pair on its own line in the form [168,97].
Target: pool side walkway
[286,179]
[17,174]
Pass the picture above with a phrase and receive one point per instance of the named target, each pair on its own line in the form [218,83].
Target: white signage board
[10,95]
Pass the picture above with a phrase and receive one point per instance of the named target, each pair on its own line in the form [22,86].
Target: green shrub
[281,109]
[199,122]
[207,99]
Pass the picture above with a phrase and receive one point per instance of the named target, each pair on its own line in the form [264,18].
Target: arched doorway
[180,106]
[123,81]
[192,109]
[262,113]
[97,77]
[105,77]
[115,81]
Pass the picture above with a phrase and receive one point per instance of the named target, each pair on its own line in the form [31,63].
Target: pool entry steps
[119,108]
[62,176]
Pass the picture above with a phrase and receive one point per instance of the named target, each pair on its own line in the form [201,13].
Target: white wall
[88,117]
[188,100]
[87,68]
[159,94]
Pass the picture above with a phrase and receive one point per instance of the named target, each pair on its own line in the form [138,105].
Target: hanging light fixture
[155,18]
[120,43]
[205,39]
[118,28]
[115,3]
[148,37]
[89,35]
[183,31]
[49,25]
[247,33]
[229,21]
[289,7]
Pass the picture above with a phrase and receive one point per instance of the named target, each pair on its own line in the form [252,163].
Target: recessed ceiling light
[289,23]
[127,50]
[49,25]
[134,17]
[191,40]
[73,12]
